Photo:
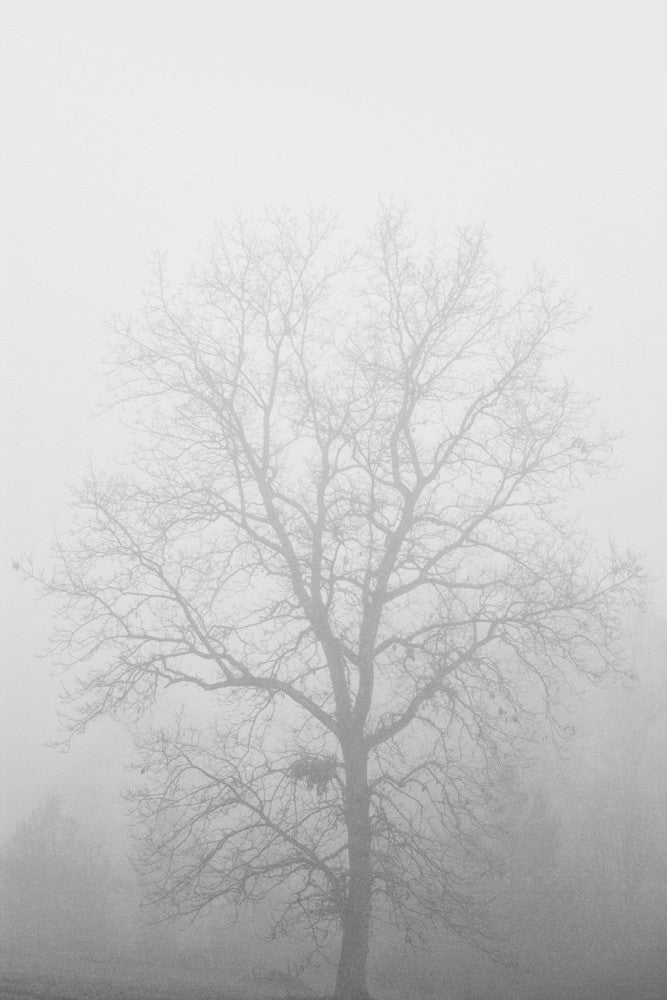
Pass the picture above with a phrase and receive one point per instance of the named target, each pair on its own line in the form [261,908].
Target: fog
[130,130]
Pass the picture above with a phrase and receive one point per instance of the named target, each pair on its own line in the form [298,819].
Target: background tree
[56,887]
[583,895]
[344,526]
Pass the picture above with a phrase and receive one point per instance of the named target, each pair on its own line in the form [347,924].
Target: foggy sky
[129,128]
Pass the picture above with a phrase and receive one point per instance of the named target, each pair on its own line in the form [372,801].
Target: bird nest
[315,771]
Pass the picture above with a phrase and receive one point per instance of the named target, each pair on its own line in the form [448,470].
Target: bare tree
[344,525]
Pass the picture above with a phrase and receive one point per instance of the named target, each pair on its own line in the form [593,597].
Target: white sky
[130,127]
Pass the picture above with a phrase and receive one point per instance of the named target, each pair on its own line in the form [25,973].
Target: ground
[43,987]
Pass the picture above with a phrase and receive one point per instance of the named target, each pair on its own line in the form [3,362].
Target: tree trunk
[353,962]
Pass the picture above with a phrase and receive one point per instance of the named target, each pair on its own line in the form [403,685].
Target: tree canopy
[344,526]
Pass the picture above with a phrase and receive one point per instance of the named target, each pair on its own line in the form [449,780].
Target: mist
[130,135]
